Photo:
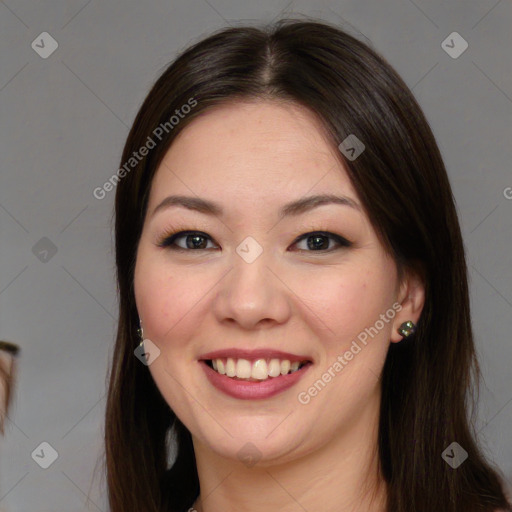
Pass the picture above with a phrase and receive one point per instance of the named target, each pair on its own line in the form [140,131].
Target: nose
[252,294]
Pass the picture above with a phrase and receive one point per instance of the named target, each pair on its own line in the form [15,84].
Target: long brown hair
[402,182]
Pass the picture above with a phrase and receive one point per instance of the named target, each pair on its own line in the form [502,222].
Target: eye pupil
[195,245]
[324,242]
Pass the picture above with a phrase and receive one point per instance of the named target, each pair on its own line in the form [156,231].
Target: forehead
[252,152]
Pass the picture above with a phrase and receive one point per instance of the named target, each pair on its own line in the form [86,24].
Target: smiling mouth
[255,371]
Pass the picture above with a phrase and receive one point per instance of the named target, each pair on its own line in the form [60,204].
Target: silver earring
[140,332]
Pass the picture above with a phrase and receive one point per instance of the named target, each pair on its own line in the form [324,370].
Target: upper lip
[262,353]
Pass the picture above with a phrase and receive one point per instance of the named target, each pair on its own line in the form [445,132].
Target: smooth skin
[253,157]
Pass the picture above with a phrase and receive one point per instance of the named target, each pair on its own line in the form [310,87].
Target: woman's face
[252,281]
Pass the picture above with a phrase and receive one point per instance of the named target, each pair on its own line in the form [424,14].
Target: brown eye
[194,240]
[318,241]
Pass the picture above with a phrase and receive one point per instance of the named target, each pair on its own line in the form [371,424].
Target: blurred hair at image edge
[9,353]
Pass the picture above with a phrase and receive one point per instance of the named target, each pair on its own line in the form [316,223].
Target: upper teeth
[259,369]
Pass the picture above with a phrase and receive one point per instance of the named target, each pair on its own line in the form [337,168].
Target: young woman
[294,329]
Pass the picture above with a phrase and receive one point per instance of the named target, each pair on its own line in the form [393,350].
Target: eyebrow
[294,208]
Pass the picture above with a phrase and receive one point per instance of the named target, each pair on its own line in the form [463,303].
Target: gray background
[64,120]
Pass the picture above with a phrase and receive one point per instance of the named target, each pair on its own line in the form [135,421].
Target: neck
[342,475]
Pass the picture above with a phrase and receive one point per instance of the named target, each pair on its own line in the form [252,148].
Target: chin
[258,440]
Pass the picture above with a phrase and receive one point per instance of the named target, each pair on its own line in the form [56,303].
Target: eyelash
[168,240]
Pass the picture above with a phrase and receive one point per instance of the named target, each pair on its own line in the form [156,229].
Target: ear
[411,297]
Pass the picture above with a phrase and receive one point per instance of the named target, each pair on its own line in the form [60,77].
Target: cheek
[168,300]
[153,294]
[349,301]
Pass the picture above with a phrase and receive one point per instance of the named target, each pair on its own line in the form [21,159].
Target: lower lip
[246,390]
